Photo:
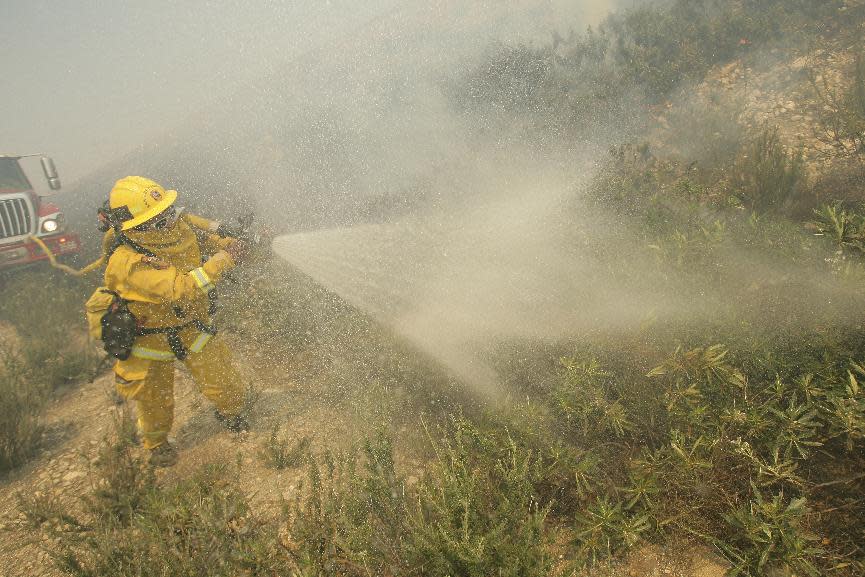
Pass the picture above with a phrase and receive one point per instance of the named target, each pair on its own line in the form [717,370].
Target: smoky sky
[92,80]
[87,81]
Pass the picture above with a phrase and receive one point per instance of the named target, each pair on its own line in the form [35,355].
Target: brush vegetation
[759,457]
[39,354]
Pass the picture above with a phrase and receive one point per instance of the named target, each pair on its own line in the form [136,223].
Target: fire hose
[96,264]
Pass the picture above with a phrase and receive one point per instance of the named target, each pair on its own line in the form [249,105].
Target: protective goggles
[165,219]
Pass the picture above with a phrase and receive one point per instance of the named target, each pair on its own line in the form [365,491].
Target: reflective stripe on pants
[152,354]
[200,341]
[151,385]
[156,355]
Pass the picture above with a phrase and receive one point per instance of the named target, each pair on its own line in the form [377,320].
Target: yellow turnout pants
[150,383]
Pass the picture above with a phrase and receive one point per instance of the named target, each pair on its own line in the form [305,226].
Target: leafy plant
[41,349]
[845,411]
[475,515]
[482,515]
[586,404]
[768,533]
[605,529]
[845,229]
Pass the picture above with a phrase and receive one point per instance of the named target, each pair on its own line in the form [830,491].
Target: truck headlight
[51,223]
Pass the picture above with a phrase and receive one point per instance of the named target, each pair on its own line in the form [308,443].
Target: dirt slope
[80,418]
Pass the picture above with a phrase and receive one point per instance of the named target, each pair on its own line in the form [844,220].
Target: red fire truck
[23,214]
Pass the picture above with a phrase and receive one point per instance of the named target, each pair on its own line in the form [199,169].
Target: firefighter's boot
[164,455]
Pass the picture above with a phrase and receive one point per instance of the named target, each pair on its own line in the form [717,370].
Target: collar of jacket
[164,243]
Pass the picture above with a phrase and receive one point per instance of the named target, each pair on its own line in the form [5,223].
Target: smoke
[315,116]
[99,80]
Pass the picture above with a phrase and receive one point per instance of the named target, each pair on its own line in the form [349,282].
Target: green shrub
[327,530]
[605,529]
[662,47]
[768,534]
[601,76]
[22,396]
[845,411]
[591,409]
[844,229]
[768,177]
[130,525]
[709,439]
[200,526]
[842,118]
[278,452]
[123,478]
[479,513]
[475,514]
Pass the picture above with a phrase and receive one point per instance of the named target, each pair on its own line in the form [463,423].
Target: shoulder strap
[121,239]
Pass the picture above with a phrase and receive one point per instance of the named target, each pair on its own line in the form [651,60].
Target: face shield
[165,220]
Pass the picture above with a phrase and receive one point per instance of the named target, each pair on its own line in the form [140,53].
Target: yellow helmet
[135,200]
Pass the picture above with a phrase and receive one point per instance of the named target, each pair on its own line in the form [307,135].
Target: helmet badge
[155,194]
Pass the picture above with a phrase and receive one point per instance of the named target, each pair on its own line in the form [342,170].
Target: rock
[72,475]
[799,63]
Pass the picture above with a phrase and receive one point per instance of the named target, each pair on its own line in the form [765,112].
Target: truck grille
[15,218]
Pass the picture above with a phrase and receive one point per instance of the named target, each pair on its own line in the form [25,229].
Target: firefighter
[155,268]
